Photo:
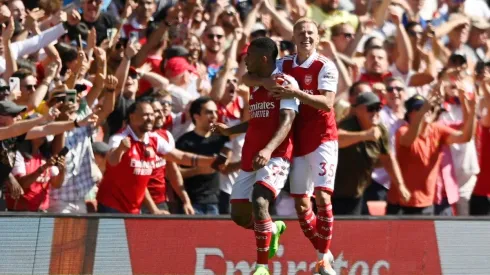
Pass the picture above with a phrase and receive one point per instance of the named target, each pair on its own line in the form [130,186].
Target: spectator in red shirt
[36,171]
[131,160]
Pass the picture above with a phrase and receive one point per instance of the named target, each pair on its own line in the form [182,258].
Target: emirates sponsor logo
[308,79]
[341,265]
[261,109]
[310,92]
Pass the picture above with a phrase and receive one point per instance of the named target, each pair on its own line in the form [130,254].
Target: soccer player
[315,135]
[132,159]
[266,154]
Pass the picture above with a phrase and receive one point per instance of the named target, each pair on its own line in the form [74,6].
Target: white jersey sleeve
[19,169]
[164,146]
[290,103]
[115,140]
[328,78]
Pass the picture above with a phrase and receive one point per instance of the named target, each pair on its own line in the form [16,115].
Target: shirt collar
[146,138]
[307,63]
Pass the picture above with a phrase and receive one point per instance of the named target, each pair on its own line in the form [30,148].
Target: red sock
[307,221]
[324,227]
[263,235]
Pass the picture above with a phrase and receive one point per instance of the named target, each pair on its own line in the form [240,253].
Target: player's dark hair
[132,107]
[266,46]
[196,106]
[353,88]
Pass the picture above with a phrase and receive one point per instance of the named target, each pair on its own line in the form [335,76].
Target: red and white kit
[123,186]
[315,131]
[157,184]
[263,124]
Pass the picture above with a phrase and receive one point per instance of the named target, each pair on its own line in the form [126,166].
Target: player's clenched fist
[125,144]
[221,128]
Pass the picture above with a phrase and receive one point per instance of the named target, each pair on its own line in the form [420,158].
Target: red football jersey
[157,184]
[312,126]
[36,196]
[263,124]
[123,186]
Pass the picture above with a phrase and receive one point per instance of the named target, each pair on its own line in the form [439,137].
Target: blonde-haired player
[315,135]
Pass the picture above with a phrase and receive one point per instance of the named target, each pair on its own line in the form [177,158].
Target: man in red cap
[180,75]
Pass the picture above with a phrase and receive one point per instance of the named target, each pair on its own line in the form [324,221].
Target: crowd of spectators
[80,78]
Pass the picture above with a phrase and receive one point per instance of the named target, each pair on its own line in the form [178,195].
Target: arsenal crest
[308,79]
[149,152]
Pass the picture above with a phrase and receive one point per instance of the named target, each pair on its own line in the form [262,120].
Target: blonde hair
[304,20]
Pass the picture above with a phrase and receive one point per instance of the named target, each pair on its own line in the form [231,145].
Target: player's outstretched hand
[220,128]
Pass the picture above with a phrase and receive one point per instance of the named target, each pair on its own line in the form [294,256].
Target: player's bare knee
[302,204]
[260,199]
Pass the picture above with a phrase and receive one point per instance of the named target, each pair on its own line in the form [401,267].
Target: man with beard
[131,160]
[315,135]
[214,56]
[157,186]
[202,183]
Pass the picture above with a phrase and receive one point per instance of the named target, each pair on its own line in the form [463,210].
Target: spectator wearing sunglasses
[363,141]
[391,117]
[214,55]
[342,35]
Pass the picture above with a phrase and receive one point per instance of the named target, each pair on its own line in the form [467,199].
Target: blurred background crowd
[412,101]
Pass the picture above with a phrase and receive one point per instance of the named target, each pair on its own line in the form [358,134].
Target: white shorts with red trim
[315,170]
[273,176]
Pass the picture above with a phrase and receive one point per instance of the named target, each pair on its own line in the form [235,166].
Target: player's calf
[307,219]
[264,226]
[324,222]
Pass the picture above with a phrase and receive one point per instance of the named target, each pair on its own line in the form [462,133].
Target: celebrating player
[315,135]
[266,153]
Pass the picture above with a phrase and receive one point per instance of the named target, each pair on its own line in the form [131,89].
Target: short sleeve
[444,132]
[164,146]
[115,140]
[19,169]
[328,78]
[384,141]
[290,104]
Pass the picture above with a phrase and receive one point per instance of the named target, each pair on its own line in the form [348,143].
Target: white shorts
[273,176]
[315,170]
